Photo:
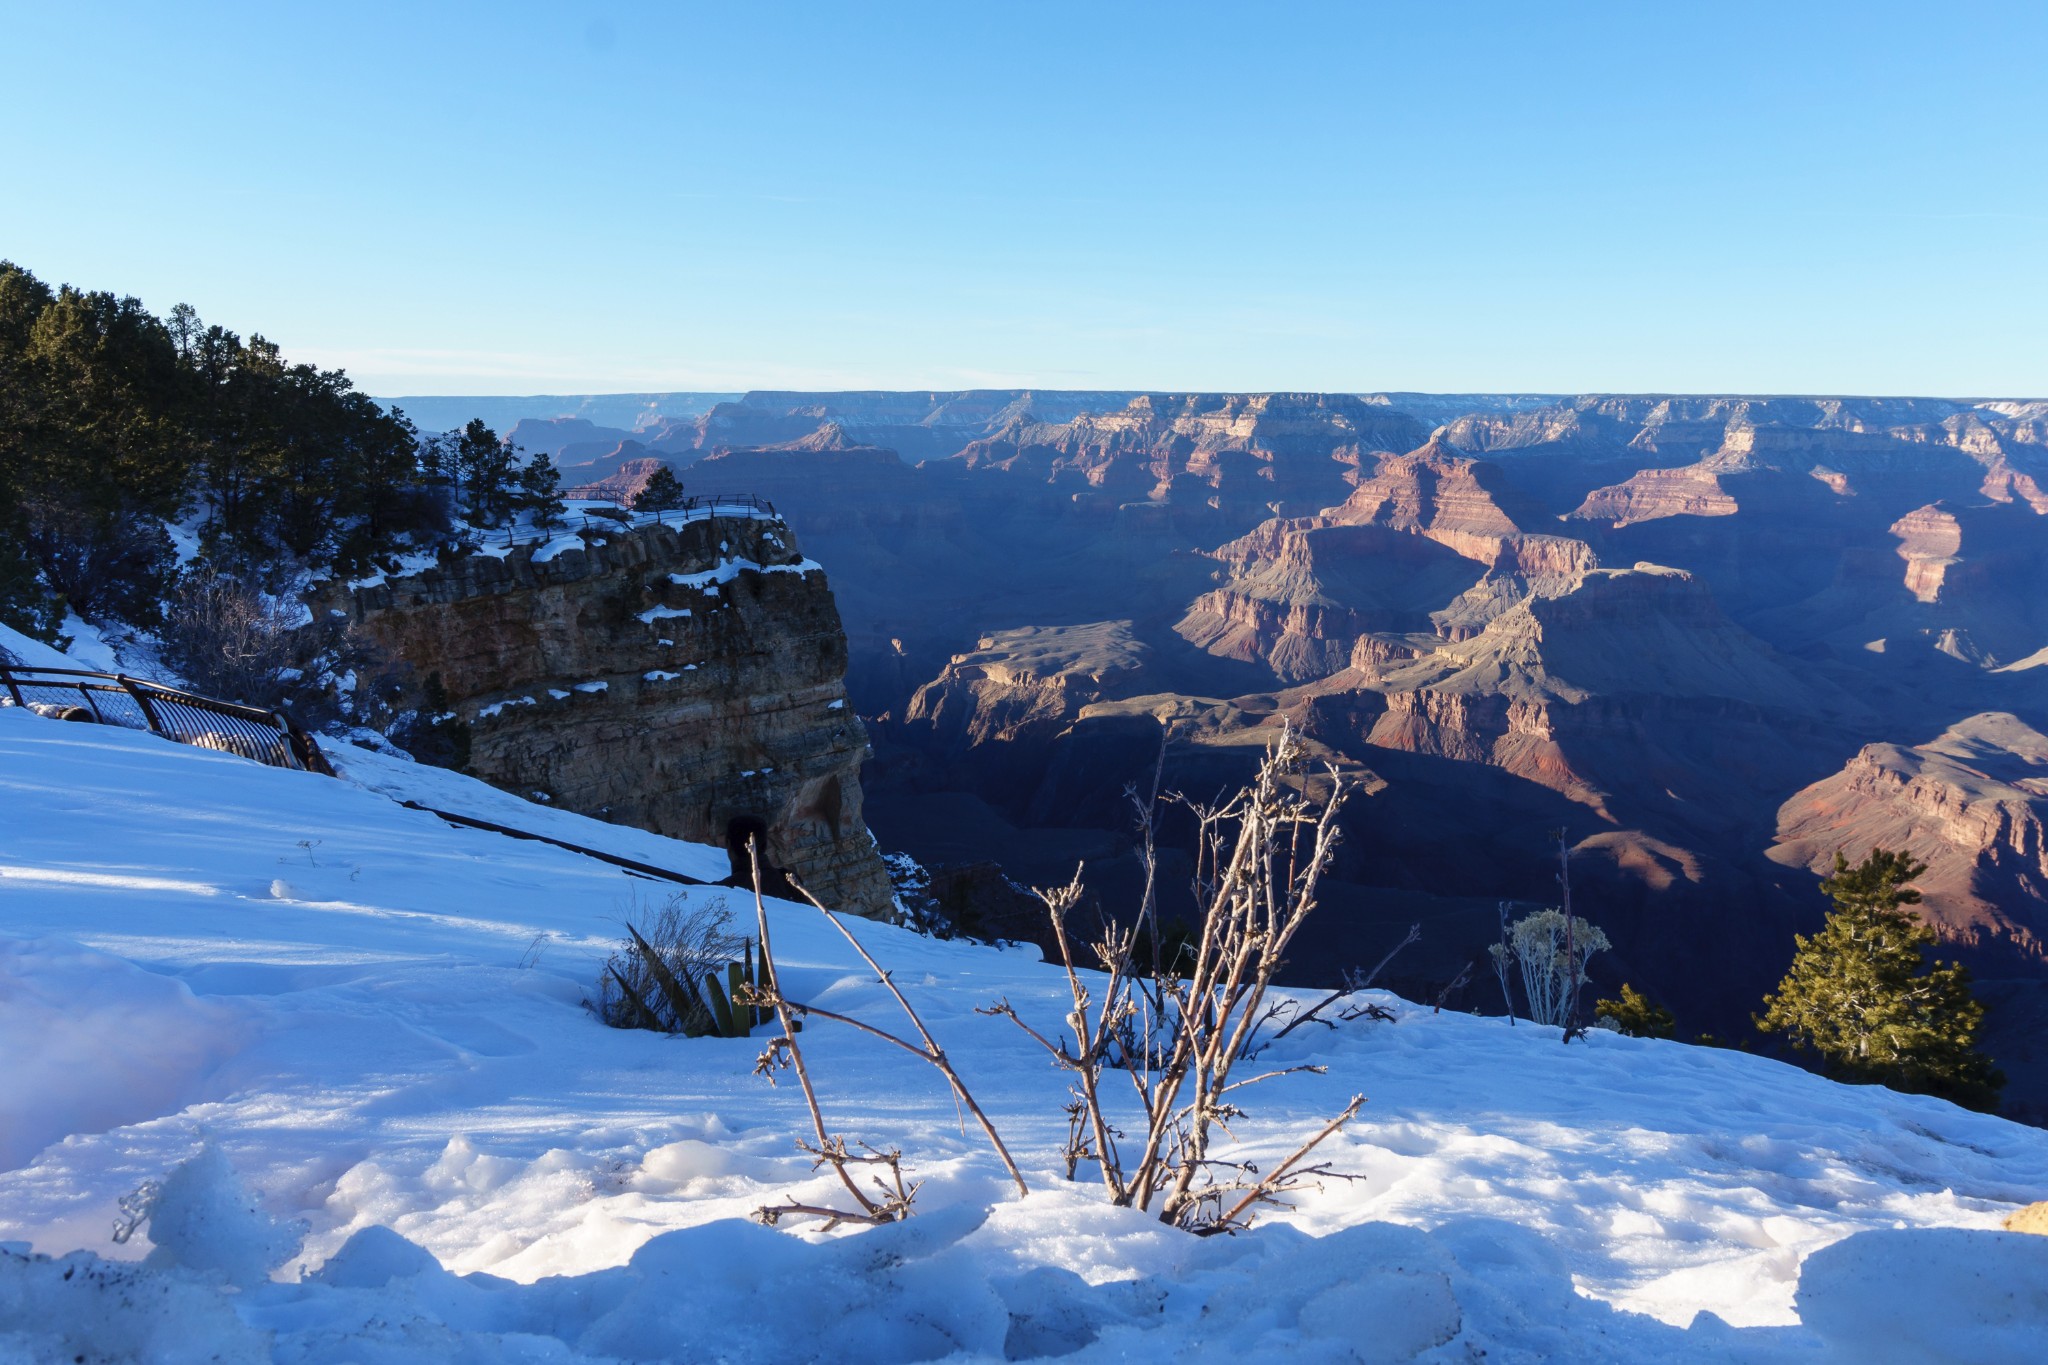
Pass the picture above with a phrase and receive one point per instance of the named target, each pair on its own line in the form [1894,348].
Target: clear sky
[503,198]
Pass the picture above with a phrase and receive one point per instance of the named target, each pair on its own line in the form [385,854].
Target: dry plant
[1178,1038]
[227,638]
[679,940]
[1550,947]
[891,1195]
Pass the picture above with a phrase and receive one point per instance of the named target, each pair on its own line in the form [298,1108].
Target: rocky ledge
[686,679]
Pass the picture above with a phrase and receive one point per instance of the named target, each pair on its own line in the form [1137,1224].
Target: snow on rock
[708,579]
[445,1156]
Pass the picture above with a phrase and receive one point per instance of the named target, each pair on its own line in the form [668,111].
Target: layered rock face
[687,679]
[1026,685]
[1290,450]
[1633,687]
[1429,541]
[1972,805]
[1300,595]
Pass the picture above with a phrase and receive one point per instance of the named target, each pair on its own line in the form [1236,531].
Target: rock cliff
[1292,452]
[1972,805]
[687,679]
[1027,685]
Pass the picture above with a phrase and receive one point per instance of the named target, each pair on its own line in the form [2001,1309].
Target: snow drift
[349,1042]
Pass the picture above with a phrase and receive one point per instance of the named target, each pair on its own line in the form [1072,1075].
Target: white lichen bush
[1550,949]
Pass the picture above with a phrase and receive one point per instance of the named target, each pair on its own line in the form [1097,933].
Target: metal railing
[699,507]
[252,732]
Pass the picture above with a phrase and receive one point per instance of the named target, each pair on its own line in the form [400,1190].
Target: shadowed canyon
[1713,639]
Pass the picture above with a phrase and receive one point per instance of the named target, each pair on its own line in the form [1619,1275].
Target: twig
[787,1044]
[1265,1188]
[931,1051]
[1351,986]
[1464,975]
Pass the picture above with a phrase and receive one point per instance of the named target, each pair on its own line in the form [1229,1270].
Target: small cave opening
[740,831]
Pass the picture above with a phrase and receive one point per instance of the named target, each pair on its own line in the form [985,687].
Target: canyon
[1708,637]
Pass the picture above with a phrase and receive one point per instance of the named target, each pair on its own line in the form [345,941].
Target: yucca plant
[683,974]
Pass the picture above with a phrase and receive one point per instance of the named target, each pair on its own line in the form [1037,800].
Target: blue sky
[508,198]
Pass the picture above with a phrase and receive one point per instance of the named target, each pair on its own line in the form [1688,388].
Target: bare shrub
[1355,981]
[228,639]
[891,1197]
[1179,1035]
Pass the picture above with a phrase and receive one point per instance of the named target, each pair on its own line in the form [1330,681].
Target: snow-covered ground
[350,1039]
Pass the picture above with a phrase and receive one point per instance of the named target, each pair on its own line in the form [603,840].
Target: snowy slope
[371,1020]
[18,648]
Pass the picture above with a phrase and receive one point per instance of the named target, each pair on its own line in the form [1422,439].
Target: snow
[559,545]
[592,687]
[347,1039]
[32,653]
[89,647]
[408,563]
[729,569]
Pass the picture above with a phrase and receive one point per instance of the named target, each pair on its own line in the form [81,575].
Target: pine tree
[540,491]
[1862,994]
[663,492]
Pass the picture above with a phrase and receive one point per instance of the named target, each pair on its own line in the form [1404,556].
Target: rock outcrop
[687,679]
[1429,540]
[1971,804]
[1026,685]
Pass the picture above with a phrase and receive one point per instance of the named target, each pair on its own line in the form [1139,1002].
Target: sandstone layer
[686,679]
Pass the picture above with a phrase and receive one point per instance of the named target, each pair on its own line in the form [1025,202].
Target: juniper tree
[1636,1015]
[1862,994]
[663,492]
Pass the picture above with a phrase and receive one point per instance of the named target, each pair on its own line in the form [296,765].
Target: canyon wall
[686,679]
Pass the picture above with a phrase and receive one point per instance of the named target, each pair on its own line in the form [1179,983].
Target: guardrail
[252,732]
[700,507]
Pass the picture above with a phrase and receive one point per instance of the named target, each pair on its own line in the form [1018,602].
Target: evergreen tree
[1636,1015]
[113,422]
[485,471]
[663,492]
[1862,994]
[539,493]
